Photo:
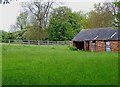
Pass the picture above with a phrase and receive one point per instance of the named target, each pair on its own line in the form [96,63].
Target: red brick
[100,46]
[115,46]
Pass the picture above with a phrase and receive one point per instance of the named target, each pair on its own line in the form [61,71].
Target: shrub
[73,48]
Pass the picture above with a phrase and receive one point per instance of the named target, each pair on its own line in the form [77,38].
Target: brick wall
[100,46]
[115,46]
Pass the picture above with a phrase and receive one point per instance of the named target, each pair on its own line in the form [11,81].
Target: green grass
[57,65]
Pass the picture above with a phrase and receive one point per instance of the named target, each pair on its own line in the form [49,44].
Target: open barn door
[93,45]
[79,45]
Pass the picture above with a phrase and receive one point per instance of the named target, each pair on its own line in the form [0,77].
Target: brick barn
[99,39]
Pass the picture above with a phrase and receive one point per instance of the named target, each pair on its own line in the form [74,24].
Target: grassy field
[57,65]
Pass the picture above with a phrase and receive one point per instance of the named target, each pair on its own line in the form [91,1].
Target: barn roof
[98,34]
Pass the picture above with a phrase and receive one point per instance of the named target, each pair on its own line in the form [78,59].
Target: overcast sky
[9,12]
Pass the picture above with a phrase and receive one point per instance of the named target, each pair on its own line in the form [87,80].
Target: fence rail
[36,42]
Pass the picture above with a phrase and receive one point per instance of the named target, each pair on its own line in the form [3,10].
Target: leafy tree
[19,34]
[101,16]
[4,35]
[7,35]
[85,23]
[22,20]
[117,20]
[34,33]
[64,24]
[10,36]
[34,20]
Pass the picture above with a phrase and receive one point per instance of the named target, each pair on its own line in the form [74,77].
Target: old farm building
[100,39]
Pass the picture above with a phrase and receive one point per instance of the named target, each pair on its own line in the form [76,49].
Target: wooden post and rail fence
[36,42]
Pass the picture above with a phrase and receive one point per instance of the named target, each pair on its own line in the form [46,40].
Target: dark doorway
[79,45]
[93,45]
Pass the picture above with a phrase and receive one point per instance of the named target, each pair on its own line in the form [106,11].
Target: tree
[38,15]
[101,16]
[117,19]
[84,22]
[19,34]
[4,35]
[34,33]
[13,28]
[64,24]
[7,35]
[40,10]
[22,20]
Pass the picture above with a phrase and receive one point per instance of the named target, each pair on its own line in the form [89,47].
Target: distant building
[99,39]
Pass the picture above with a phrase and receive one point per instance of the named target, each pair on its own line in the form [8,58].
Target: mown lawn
[57,65]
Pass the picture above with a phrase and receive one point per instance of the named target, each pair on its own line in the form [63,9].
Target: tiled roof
[98,34]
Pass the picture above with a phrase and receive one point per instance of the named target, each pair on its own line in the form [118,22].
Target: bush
[73,48]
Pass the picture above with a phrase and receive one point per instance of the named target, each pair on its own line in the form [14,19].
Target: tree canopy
[22,20]
[64,24]
[100,16]
[41,20]
[117,19]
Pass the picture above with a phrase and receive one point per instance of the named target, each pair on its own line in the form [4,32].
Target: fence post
[29,42]
[41,42]
[47,42]
[38,42]
[56,42]
[9,41]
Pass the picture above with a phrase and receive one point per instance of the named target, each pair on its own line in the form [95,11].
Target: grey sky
[9,12]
